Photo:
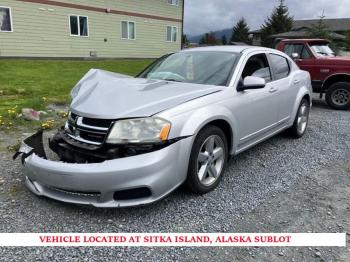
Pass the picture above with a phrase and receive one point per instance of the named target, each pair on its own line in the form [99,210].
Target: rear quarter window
[280,66]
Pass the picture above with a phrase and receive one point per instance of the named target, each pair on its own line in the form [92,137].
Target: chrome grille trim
[78,138]
[81,124]
[75,129]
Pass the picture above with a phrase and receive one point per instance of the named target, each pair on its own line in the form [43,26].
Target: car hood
[339,60]
[106,95]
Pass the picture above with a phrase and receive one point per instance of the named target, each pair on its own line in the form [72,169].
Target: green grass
[26,83]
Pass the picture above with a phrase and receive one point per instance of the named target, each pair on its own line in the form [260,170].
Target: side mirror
[295,56]
[251,82]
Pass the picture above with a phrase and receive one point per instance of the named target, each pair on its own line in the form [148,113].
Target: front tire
[301,120]
[338,96]
[207,161]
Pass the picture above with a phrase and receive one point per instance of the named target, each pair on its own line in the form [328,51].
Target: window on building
[5,19]
[171,33]
[128,30]
[78,25]
[280,66]
[173,2]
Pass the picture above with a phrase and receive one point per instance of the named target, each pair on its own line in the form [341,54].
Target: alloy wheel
[211,159]
[303,118]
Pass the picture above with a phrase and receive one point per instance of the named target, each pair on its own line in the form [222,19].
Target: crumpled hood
[106,95]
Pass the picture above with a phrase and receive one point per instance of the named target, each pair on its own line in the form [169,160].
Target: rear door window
[280,66]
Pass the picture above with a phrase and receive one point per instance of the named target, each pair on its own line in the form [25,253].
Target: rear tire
[301,120]
[207,161]
[338,96]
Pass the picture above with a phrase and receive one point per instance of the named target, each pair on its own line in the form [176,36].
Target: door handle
[272,90]
[296,81]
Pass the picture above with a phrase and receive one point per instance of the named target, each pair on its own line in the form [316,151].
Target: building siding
[151,7]
[41,30]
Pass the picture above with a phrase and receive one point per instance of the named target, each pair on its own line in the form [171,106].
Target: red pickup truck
[330,74]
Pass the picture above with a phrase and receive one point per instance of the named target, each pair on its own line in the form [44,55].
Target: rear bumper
[96,183]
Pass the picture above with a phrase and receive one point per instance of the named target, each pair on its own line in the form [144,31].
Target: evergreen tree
[347,41]
[204,39]
[185,41]
[240,32]
[224,40]
[208,39]
[280,21]
[320,29]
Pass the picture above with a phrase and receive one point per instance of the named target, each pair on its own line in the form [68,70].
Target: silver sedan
[131,141]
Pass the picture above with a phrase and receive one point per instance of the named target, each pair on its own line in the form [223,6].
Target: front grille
[87,130]
[73,116]
[76,193]
[92,136]
[97,122]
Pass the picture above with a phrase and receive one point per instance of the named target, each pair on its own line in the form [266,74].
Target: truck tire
[338,96]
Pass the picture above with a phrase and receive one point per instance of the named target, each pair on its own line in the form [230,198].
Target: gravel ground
[253,179]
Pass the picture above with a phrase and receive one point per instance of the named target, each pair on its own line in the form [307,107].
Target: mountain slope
[218,35]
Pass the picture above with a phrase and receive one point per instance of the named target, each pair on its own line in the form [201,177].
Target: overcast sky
[210,15]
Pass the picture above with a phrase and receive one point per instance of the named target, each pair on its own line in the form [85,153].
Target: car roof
[229,48]
[305,40]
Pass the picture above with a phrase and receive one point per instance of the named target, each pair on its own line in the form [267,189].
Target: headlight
[139,130]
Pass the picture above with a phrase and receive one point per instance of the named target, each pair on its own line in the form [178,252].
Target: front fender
[193,122]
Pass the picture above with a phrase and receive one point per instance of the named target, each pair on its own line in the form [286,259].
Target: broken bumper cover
[101,184]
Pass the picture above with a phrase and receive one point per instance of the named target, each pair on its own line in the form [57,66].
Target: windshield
[322,49]
[199,67]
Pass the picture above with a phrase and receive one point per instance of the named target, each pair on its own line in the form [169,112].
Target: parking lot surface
[281,185]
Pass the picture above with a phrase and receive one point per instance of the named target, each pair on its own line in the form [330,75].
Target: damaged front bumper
[128,181]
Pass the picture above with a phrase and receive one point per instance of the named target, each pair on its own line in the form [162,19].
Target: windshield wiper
[322,53]
[173,80]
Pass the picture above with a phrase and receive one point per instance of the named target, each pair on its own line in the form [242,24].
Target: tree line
[279,21]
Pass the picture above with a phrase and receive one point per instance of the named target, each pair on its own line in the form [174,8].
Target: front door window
[299,49]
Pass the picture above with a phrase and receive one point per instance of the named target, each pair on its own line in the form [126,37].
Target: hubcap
[341,97]
[210,160]
[303,117]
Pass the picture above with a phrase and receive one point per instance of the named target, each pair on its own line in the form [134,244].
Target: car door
[256,109]
[286,84]
[306,60]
